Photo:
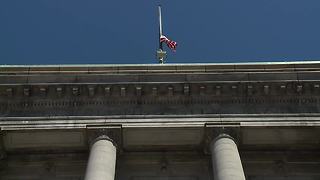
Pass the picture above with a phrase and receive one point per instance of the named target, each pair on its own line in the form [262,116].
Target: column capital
[102,137]
[112,134]
[214,133]
[218,132]
[222,135]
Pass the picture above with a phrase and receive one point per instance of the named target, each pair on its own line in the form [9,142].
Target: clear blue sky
[126,31]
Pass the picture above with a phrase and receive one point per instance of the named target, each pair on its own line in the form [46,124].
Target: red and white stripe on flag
[171,44]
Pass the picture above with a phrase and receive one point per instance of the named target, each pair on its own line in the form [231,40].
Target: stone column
[225,159]
[2,149]
[102,160]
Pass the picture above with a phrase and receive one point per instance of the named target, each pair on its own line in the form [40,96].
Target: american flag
[171,44]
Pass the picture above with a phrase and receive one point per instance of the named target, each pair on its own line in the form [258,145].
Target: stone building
[254,121]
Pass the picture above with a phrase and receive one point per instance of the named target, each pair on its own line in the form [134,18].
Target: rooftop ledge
[167,64]
[166,68]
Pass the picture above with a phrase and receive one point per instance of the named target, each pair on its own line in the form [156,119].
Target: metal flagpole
[160,27]
[160,53]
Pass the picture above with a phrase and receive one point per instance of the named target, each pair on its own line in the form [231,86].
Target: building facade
[254,121]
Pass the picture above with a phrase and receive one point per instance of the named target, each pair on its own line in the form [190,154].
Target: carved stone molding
[167,89]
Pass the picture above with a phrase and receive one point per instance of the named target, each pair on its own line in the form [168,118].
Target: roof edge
[168,64]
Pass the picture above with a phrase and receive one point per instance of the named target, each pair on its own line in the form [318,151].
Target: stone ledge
[213,121]
[156,68]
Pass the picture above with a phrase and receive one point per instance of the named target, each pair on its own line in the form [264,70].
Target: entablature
[156,89]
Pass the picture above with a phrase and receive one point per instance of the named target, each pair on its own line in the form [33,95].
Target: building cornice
[163,68]
[160,89]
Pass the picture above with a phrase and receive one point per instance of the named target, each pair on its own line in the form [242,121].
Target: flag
[171,44]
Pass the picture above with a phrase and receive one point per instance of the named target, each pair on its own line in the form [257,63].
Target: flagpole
[161,54]
[160,27]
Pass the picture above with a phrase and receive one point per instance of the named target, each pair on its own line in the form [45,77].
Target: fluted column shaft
[102,160]
[226,160]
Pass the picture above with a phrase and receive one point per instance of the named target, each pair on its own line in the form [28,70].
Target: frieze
[168,100]
[163,89]
[174,104]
